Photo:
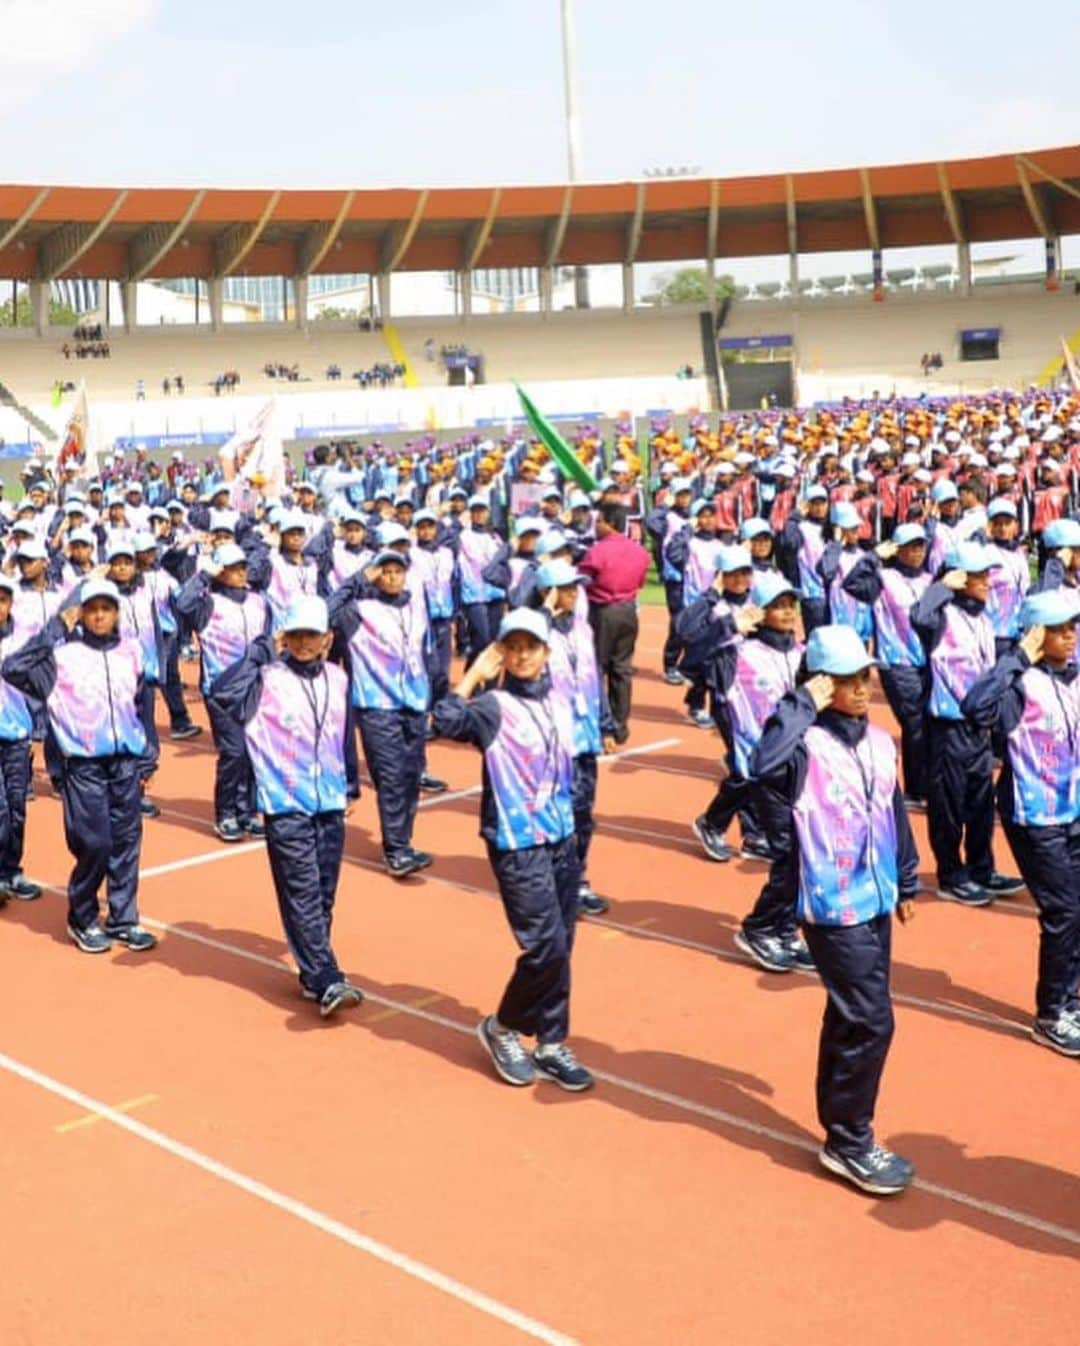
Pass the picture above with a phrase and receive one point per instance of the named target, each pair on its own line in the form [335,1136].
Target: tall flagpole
[573,129]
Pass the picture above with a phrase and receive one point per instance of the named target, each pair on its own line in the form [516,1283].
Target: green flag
[563,456]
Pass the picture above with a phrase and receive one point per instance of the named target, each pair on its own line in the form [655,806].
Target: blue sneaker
[1061,1034]
[508,1056]
[91,940]
[556,1062]
[878,1171]
[771,952]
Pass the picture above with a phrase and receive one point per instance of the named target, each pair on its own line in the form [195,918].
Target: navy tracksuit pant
[305,860]
[439,654]
[148,763]
[853,962]
[172,689]
[103,830]
[774,910]
[393,742]
[905,689]
[815,613]
[481,626]
[234,787]
[1049,861]
[736,794]
[539,891]
[583,787]
[673,596]
[960,800]
[14,784]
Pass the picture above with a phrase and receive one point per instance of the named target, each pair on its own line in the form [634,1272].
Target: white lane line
[207,859]
[419,1271]
[448,795]
[675,1101]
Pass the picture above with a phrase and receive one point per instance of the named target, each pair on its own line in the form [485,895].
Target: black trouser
[393,742]
[960,800]
[539,891]
[584,794]
[615,630]
[172,688]
[305,859]
[673,596]
[103,830]
[905,690]
[1049,861]
[438,658]
[234,785]
[15,774]
[853,962]
[148,763]
[774,910]
[735,794]
[482,627]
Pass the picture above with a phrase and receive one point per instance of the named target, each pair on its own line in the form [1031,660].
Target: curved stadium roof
[132,233]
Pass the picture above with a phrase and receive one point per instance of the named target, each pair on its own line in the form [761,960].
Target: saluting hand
[886,550]
[748,619]
[1032,643]
[70,617]
[488,664]
[955,580]
[821,688]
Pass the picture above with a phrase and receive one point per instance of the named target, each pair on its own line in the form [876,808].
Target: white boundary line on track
[675,1101]
[419,1271]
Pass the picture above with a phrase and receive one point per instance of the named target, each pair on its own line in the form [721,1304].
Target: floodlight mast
[573,129]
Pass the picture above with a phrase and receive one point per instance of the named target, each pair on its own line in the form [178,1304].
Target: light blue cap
[1061,533]
[908,533]
[388,554]
[425,516]
[74,507]
[734,558]
[972,558]
[307,613]
[942,491]
[836,650]
[554,574]
[82,535]
[754,528]
[817,493]
[1053,607]
[552,540]
[768,586]
[526,619]
[7,582]
[579,500]
[32,550]
[1001,506]
[478,502]
[223,520]
[291,520]
[144,542]
[529,524]
[99,588]
[458,493]
[552,493]
[351,515]
[229,554]
[681,484]
[845,515]
[389,533]
[700,506]
[119,544]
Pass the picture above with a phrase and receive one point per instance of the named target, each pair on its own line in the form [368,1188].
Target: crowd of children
[931,547]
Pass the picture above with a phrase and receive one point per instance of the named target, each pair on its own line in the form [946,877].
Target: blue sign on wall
[753,343]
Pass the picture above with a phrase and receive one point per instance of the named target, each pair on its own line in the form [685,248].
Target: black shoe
[620,736]
[701,718]
[404,863]
[252,827]
[556,1062]
[756,848]
[185,731]
[148,808]
[771,952]
[914,804]
[968,894]
[228,829]
[804,959]
[431,785]
[588,903]
[673,677]
[307,992]
[135,938]
[91,940]
[712,841]
[508,1056]
[1001,885]
[21,888]
[339,996]
[879,1171]
[1061,1034]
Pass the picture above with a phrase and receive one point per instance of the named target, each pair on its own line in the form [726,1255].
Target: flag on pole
[75,447]
[563,456]
[255,456]
[1070,365]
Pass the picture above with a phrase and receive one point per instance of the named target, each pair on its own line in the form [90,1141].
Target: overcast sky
[352,93]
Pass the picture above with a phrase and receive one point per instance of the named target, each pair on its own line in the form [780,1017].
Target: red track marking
[624,1217]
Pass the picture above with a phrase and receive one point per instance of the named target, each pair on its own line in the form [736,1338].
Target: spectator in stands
[140,390]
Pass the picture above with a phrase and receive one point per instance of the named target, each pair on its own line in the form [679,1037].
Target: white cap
[307,613]
[99,588]
[528,620]
[32,550]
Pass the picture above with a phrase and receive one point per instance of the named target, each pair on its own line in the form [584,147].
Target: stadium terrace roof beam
[398,239]
[1040,216]
[232,246]
[479,234]
[155,241]
[952,208]
[62,248]
[870,210]
[634,226]
[555,233]
[792,233]
[15,229]
[319,238]
[1062,186]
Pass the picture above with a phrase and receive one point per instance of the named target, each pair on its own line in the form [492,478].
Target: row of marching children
[309,638]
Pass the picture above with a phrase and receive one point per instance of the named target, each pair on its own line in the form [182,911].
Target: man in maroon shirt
[616,567]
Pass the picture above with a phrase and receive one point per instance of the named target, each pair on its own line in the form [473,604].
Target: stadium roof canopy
[134,233]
